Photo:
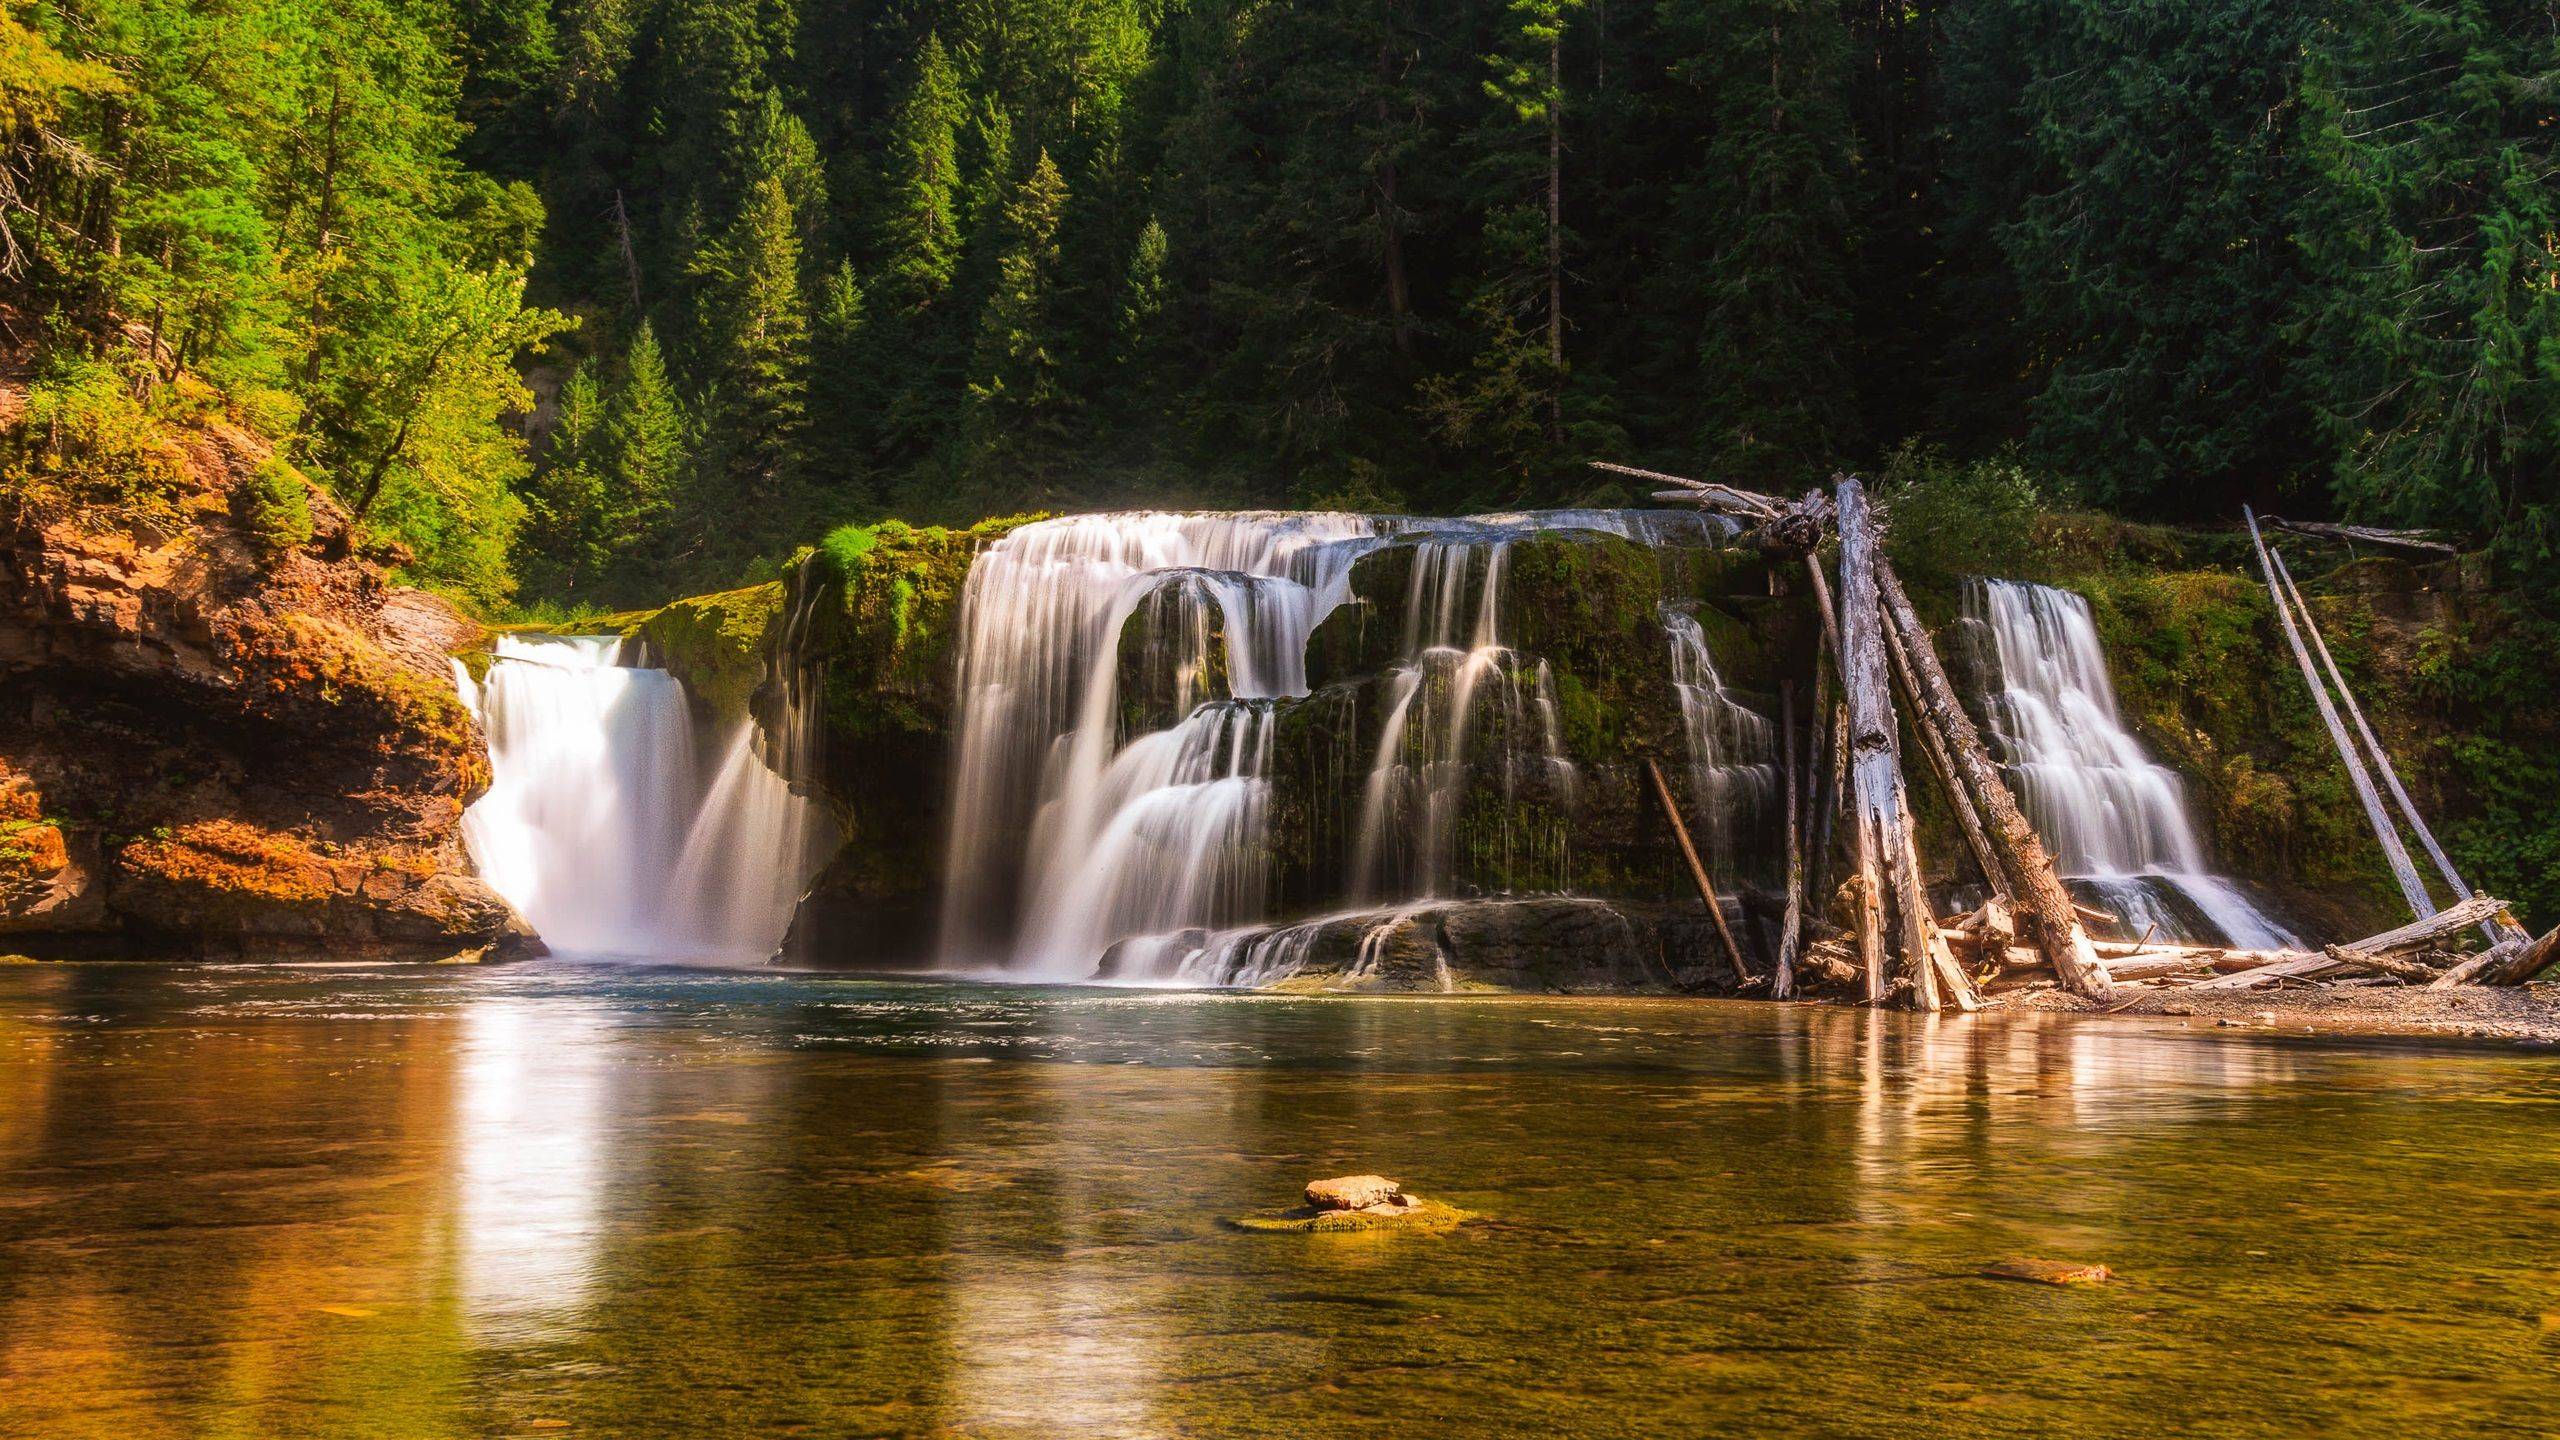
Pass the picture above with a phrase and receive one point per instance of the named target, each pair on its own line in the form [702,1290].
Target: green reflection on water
[644,1203]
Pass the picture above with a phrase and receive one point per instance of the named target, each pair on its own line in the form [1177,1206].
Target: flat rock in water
[1352,1192]
[1406,1213]
[2048,1272]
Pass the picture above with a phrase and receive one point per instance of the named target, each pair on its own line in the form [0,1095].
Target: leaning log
[2412,888]
[1697,871]
[2499,932]
[2034,884]
[1942,766]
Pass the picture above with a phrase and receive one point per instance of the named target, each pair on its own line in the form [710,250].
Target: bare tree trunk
[1875,762]
[630,255]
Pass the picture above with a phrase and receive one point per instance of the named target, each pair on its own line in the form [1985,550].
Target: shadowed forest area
[589,302]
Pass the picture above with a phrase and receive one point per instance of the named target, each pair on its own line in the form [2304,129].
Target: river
[629,1202]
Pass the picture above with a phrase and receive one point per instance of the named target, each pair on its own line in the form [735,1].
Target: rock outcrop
[215,740]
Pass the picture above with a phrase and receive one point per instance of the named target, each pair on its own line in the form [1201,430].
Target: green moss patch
[1423,1217]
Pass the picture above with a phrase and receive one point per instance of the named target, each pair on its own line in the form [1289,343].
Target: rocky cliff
[215,739]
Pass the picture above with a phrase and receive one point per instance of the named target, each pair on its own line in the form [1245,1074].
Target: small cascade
[2117,823]
[1459,690]
[1733,753]
[615,828]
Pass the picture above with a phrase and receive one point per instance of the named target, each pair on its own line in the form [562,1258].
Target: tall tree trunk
[1555,233]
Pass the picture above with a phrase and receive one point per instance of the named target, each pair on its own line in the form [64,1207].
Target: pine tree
[1015,367]
[648,442]
[918,233]
[2141,187]
[1768,228]
[756,334]
[562,545]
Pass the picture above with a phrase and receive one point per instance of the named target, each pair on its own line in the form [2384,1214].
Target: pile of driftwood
[1896,948]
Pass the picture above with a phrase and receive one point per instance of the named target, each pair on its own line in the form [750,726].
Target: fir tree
[1015,369]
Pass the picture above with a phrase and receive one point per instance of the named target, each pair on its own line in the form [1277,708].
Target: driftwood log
[1697,870]
[2370,954]
[2366,535]
[1790,930]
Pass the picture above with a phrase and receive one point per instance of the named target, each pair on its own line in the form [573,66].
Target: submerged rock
[1353,1203]
[2048,1272]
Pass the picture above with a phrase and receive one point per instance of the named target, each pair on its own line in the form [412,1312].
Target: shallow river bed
[587,1200]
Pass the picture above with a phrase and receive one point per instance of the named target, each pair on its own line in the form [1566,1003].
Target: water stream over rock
[2116,821]
[616,825]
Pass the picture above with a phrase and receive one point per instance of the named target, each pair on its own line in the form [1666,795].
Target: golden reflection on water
[264,1204]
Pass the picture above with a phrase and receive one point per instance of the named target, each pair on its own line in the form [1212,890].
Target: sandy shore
[2525,1015]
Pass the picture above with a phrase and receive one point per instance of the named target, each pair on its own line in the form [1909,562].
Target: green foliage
[2431,330]
[274,506]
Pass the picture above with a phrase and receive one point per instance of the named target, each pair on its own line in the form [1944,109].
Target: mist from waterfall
[2116,821]
[1121,679]
[615,827]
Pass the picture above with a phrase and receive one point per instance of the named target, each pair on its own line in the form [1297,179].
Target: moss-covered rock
[715,644]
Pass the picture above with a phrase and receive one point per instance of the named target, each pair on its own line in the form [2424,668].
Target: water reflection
[652,1203]
[530,1099]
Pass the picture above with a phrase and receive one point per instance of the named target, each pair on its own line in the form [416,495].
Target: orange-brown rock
[1352,1192]
[207,747]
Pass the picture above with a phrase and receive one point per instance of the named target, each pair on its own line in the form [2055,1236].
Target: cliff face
[213,740]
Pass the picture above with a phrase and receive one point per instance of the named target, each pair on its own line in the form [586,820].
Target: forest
[580,303]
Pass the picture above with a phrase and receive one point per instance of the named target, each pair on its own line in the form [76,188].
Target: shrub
[274,506]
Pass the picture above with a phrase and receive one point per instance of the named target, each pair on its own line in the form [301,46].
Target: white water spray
[614,828]
[2117,823]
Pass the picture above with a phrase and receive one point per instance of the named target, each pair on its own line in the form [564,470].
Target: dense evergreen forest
[585,301]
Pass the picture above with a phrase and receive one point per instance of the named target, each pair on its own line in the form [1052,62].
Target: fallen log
[2530,960]
[2035,886]
[2375,953]
[1699,492]
[1697,872]
[2365,534]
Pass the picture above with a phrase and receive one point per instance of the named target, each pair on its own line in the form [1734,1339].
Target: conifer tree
[648,442]
[1015,367]
[1767,223]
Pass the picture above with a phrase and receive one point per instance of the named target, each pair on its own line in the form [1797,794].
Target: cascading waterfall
[1733,771]
[615,828]
[1119,678]
[1041,621]
[2117,823]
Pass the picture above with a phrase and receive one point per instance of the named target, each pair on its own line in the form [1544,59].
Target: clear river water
[615,1201]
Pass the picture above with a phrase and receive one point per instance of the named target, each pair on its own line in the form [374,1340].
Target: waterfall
[1733,751]
[614,827]
[1121,683]
[2117,822]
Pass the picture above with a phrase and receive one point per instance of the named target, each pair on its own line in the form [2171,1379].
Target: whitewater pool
[582,1200]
